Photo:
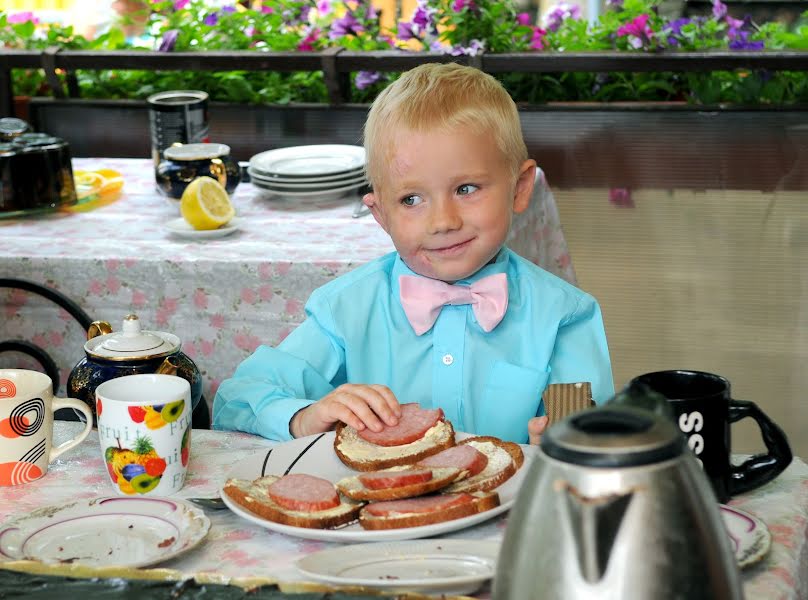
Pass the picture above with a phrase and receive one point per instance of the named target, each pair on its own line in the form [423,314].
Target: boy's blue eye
[411,200]
[466,189]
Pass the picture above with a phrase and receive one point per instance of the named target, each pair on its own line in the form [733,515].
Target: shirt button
[448,359]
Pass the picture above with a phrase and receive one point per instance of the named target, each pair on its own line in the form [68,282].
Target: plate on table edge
[302,161]
[308,187]
[183,228]
[320,195]
[108,526]
[749,535]
[314,455]
[427,566]
[305,179]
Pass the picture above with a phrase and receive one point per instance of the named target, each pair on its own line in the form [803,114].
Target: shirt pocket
[511,395]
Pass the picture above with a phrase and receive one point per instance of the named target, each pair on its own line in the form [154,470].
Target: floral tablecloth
[222,297]
[237,548]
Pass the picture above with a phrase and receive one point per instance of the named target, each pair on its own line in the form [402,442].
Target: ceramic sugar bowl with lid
[130,351]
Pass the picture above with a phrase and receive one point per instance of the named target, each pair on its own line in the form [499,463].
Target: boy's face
[446,200]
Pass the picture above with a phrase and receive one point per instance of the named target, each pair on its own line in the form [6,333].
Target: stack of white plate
[313,172]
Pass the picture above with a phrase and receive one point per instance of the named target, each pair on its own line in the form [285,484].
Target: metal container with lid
[615,506]
[130,351]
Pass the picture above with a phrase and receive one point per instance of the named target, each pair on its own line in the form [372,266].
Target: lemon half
[205,204]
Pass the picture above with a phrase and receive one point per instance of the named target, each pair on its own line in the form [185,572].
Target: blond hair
[445,97]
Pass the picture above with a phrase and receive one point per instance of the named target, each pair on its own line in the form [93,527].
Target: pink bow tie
[423,298]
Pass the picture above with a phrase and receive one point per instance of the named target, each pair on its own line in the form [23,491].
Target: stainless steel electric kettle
[615,506]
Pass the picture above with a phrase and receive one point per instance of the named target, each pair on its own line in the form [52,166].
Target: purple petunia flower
[304,12]
[638,32]
[473,49]
[407,31]
[180,4]
[674,29]
[423,17]
[523,18]
[307,43]
[345,25]
[537,41]
[739,40]
[324,7]
[211,19]
[169,40]
[23,17]
[719,10]
[365,79]
[560,13]
[461,4]
[228,9]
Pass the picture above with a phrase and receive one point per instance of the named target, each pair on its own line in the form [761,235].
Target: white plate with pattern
[309,161]
[110,531]
[314,455]
[748,535]
[425,566]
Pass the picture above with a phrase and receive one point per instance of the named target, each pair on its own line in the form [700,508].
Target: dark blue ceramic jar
[183,163]
[131,351]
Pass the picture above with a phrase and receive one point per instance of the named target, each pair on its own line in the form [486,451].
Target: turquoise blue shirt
[486,383]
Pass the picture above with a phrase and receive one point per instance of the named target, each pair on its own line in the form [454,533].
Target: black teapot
[130,351]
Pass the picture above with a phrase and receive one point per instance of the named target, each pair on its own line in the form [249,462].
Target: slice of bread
[480,502]
[504,459]
[441,477]
[253,496]
[362,455]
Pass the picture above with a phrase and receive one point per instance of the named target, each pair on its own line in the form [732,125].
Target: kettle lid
[132,342]
[613,436]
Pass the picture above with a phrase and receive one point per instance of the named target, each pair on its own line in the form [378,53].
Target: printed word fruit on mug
[26,425]
[144,424]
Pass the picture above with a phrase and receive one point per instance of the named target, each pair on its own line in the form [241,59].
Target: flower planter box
[651,145]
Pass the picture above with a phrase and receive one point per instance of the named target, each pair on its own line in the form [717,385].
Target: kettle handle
[97,328]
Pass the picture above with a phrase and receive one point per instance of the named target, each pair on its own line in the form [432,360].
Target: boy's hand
[357,405]
[535,428]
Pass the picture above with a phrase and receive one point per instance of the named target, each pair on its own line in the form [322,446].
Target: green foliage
[458,27]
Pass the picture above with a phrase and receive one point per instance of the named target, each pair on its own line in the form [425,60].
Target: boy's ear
[374,204]
[524,186]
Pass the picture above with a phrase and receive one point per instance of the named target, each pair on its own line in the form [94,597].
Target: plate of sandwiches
[417,479]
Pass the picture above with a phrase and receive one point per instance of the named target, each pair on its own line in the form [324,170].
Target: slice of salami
[385,480]
[413,424]
[304,493]
[424,504]
[464,457]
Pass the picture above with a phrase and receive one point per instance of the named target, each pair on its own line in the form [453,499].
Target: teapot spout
[168,367]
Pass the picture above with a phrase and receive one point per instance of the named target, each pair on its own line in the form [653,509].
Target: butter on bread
[504,459]
[253,496]
[441,477]
[362,455]
[480,502]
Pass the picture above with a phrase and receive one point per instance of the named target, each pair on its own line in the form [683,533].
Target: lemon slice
[205,204]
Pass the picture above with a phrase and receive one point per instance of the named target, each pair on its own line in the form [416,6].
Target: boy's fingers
[388,409]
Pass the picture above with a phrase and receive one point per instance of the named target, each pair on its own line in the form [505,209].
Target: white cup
[26,425]
[144,425]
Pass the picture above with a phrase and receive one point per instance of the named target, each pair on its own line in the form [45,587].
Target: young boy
[452,319]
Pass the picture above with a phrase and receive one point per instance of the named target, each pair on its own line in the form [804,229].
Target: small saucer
[182,228]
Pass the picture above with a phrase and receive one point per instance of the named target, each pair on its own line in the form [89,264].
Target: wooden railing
[337,64]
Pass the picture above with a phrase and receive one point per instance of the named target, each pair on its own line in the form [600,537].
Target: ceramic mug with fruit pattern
[144,425]
[26,425]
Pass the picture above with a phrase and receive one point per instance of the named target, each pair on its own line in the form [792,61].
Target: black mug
[704,410]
